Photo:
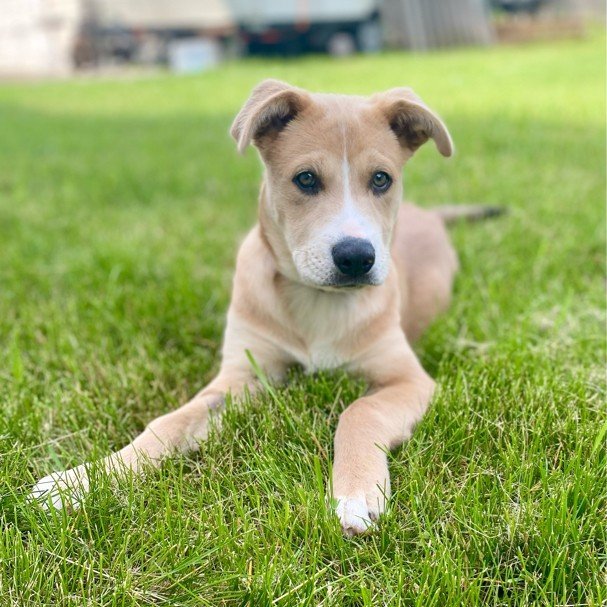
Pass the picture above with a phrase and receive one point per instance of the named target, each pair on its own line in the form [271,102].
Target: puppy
[337,273]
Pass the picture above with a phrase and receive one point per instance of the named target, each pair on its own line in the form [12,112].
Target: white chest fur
[322,355]
[323,321]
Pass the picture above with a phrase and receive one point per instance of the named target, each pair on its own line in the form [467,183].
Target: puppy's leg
[381,420]
[180,430]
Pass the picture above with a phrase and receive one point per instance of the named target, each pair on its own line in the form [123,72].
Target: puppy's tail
[451,213]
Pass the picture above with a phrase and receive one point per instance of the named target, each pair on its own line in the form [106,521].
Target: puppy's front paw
[62,489]
[357,513]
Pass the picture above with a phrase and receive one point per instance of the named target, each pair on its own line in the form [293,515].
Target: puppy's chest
[322,332]
[322,355]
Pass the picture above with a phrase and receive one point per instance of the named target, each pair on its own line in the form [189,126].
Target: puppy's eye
[307,182]
[380,181]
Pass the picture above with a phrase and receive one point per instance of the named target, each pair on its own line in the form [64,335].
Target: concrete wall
[37,36]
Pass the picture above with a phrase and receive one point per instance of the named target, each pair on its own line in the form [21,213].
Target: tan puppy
[337,273]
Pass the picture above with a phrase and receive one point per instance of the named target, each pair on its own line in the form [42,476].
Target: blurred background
[42,38]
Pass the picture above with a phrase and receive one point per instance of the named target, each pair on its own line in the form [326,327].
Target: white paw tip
[353,515]
[59,491]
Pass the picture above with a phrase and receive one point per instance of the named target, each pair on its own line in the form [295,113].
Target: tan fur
[286,310]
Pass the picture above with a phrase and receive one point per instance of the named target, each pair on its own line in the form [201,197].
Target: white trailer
[294,26]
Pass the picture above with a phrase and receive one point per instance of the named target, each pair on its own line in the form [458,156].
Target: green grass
[121,206]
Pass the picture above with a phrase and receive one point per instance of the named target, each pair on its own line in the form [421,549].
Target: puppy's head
[334,176]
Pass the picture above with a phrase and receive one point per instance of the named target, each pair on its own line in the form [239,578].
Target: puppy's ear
[271,106]
[412,121]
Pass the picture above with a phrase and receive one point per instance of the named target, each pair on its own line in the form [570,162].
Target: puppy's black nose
[354,256]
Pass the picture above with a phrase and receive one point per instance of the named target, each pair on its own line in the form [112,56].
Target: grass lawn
[121,206]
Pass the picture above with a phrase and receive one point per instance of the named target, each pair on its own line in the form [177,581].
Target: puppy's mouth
[348,282]
[341,282]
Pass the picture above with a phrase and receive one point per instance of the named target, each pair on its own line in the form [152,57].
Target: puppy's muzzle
[353,257]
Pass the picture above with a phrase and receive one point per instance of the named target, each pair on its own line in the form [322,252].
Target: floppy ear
[413,122]
[271,106]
